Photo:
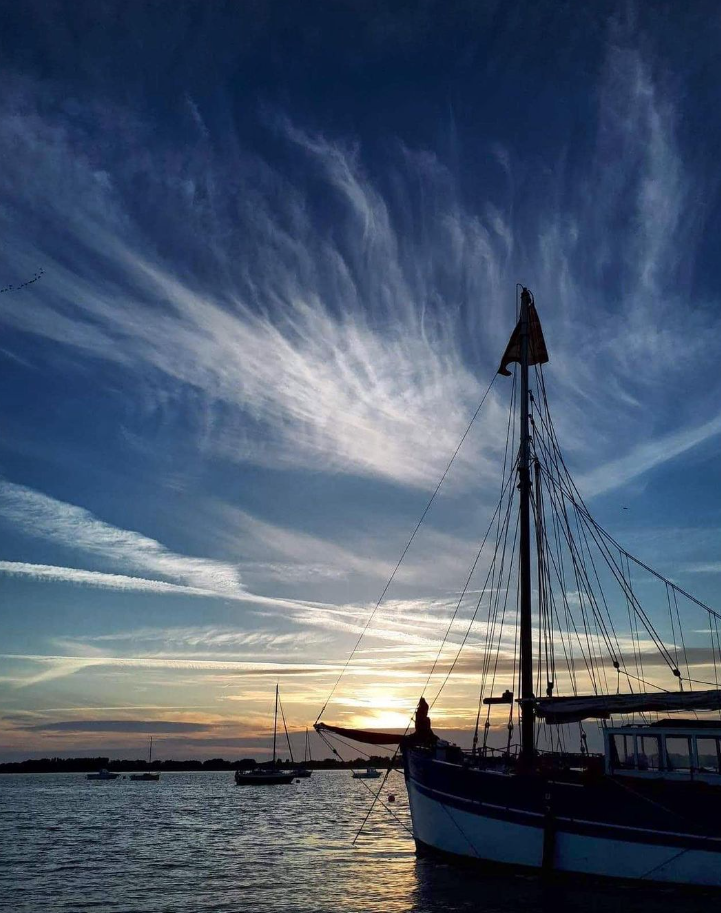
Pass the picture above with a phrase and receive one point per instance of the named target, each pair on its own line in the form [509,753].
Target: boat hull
[277,779]
[473,815]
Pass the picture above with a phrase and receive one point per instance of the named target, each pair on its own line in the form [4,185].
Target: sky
[277,247]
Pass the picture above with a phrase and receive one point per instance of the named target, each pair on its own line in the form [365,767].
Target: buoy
[391,798]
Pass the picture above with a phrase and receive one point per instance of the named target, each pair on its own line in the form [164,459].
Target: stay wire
[408,545]
[287,737]
[574,495]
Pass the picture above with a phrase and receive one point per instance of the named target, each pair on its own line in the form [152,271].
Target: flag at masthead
[537,352]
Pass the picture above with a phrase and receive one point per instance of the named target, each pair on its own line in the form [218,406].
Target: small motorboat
[103,774]
[370,773]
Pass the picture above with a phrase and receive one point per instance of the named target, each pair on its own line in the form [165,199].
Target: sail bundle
[603,706]
[367,736]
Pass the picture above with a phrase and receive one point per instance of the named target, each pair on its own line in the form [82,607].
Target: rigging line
[718,645]
[505,607]
[621,579]
[502,533]
[495,591]
[582,506]
[683,639]
[375,797]
[593,527]
[561,577]
[287,737]
[570,661]
[408,545]
[470,623]
[635,637]
[577,555]
[506,489]
[588,660]
[353,747]
[582,532]
[583,586]
[673,626]
[536,508]
[583,583]
[510,446]
[468,579]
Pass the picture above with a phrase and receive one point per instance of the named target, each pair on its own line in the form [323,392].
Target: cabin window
[708,751]
[678,752]
[649,752]
[623,752]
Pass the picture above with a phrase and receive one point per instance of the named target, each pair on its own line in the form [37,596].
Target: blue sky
[280,243]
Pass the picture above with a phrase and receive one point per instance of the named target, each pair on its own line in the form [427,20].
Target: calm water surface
[195,842]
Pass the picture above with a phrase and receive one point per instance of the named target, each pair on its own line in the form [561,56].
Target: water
[196,842]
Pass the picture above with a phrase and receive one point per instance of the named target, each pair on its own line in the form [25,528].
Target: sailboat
[645,806]
[148,776]
[263,776]
[303,771]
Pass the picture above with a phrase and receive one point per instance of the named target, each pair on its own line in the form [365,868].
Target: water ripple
[196,843]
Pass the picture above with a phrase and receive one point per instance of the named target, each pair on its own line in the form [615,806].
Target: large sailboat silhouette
[566,639]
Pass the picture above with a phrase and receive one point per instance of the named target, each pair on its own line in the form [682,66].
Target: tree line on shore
[87,765]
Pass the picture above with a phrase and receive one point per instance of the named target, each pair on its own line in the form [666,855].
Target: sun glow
[379,709]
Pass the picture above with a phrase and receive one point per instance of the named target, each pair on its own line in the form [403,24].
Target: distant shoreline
[90,765]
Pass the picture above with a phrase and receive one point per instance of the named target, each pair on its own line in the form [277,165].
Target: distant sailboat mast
[275,722]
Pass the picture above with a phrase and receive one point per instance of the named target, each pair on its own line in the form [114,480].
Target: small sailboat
[303,771]
[103,774]
[148,776]
[263,776]
[370,773]
[561,613]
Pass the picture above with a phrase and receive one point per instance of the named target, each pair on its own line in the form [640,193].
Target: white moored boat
[103,774]
[370,773]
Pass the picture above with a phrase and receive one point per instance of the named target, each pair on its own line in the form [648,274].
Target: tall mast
[150,751]
[275,722]
[524,479]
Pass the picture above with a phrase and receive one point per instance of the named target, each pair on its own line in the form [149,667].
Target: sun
[379,709]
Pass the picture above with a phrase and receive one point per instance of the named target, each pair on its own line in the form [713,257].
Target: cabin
[667,749]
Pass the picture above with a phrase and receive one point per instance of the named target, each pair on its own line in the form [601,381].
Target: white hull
[449,829]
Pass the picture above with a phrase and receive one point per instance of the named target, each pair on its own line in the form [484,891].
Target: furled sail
[601,707]
[369,736]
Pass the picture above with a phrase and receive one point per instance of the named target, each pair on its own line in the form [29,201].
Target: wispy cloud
[193,637]
[59,666]
[149,726]
[73,527]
